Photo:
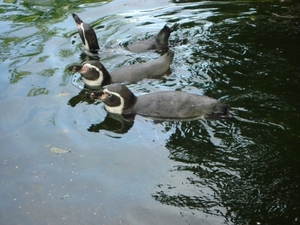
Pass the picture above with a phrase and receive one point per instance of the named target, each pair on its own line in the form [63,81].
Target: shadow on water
[123,171]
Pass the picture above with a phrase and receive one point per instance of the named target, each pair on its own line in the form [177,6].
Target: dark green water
[245,170]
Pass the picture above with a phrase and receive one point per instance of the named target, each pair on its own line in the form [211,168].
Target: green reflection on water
[18,75]
[37,91]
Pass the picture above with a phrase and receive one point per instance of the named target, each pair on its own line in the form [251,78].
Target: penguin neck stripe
[86,44]
[98,81]
[115,109]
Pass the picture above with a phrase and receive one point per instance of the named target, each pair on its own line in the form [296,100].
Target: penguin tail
[224,108]
[220,111]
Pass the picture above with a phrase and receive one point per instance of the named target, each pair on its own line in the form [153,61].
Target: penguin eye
[90,69]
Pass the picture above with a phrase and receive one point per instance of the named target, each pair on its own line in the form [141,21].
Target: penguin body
[161,105]
[90,41]
[95,74]
[87,35]
[151,69]
[158,42]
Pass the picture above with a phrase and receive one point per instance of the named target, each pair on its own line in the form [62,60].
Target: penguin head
[93,72]
[87,35]
[116,97]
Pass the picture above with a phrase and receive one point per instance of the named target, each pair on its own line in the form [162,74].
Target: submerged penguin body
[158,42]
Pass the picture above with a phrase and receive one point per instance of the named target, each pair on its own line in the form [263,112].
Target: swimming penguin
[90,41]
[162,105]
[87,35]
[95,74]
[159,42]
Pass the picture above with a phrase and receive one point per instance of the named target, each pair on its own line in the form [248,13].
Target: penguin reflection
[80,98]
[119,124]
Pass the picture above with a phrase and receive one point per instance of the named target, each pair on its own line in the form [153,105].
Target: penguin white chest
[86,45]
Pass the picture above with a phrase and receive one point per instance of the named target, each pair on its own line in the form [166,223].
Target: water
[243,170]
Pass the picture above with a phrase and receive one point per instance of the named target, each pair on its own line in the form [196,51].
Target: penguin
[90,41]
[171,105]
[95,75]
[158,42]
[87,35]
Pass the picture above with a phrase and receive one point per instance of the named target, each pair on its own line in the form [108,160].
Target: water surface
[239,171]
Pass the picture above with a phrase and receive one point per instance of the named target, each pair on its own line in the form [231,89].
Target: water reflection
[114,123]
[79,98]
[218,166]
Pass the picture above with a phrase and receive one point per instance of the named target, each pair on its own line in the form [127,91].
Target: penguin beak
[101,95]
[82,69]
